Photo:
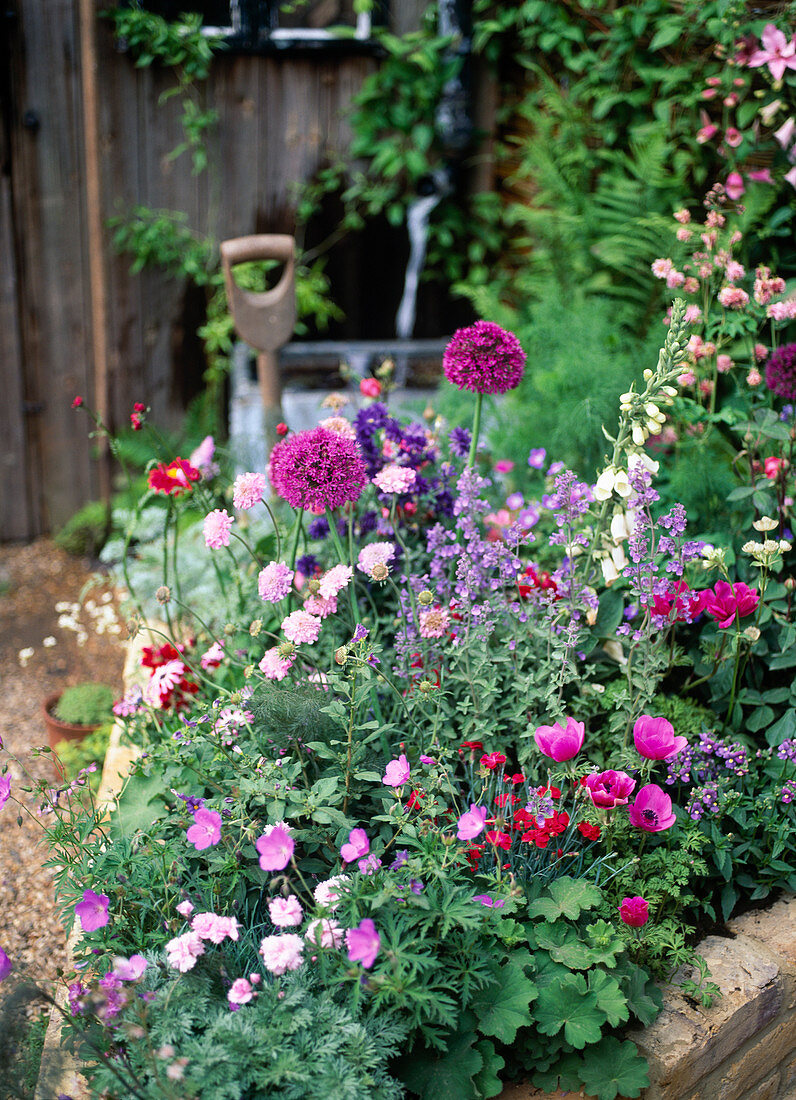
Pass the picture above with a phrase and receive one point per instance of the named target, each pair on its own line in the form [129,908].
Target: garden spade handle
[265,319]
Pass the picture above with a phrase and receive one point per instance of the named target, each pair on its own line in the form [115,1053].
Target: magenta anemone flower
[363,943]
[484,358]
[206,829]
[655,740]
[634,911]
[358,845]
[317,469]
[472,822]
[92,911]
[609,788]
[724,599]
[275,848]
[561,742]
[397,772]
[652,810]
[6,966]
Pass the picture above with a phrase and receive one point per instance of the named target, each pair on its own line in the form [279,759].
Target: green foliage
[77,755]
[85,704]
[86,532]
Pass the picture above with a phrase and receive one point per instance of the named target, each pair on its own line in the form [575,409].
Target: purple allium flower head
[317,469]
[781,372]
[484,358]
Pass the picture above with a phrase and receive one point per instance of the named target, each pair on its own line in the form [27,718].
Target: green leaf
[564,945]
[447,1076]
[571,1005]
[610,997]
[486,1080]
[137,807]
[783,729]
[614,1068]
[644,998]
[668,32]
[502,1007]
[568,897]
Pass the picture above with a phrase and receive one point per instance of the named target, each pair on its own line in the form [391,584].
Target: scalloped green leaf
[614,1068]
[564,1074]
[644,997]
[487,1081]
[503,1007]
[565,946]
[610,997]
[448,1076]
[568,897]
[604,942]
[572,1006]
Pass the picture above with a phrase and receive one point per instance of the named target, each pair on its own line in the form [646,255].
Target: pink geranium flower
[363,943]
[471,823]
[206,829]
[609,788]
[130,970]
[778,52]
[655,740]
[5,789]
[358,845]
[92,911]
[6,966]
[652,810]
[724,600]
[561,742]
[397,772]
[634,911]
[275,847]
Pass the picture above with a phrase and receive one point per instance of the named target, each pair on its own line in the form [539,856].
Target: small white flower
[48,642]
[25,655]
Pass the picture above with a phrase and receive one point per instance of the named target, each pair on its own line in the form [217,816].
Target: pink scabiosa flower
[652,810]
[781,372]
[634,911]
[784,311]
[323,932]
[472,822]
[334,581]
[285,912]
[319,607]
[240,992]
[274,665]
[274,582]
[654,738]
[724,600]
[217,527]
[484,358]
[609,788]
[248,490]
[561,742]
[92,911]
[183,951]
[206,829]
[282,953]
[301,628]
[317,469]
[340,425]
[275,847]
[358,845]
[433,622]
[395,479]
[363,943]
[397,772]
[374,560]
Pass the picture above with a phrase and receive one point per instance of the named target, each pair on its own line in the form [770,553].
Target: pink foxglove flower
[561,742]
[276,847]
[397,772]
[358,845]
[206,829]
[654,738]
[734,187]
[285,912]
[609,788]
[363,943]
[652,810]
[472,822]
[724,600]
[217,527]
[634,911]
[92,911]
[282,953]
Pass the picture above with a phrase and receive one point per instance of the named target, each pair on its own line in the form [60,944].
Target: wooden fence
[84,137]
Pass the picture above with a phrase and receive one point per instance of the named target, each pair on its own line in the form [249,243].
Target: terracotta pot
[61,731]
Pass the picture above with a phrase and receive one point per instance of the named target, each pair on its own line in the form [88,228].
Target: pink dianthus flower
[240,992]
[327,893]
[215,929]
[323,932]
[248,490]
[183,951]
[317,469]
[484,358]
[281,953]
[217,527]
[285,912]
[274,582]
[301,627]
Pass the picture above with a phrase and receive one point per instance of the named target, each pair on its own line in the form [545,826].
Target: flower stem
[479,398]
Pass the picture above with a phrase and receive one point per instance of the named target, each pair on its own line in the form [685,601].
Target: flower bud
[425,598]
[286,649]
[256,627]
[752,633]
[163,594]
[341,655]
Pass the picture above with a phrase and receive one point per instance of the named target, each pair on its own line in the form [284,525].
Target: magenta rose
[561,742]
[652,810]
[634,911]
[655,740]
[724,600]
[609,788]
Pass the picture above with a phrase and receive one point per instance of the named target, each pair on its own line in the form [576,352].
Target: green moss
[85,705]
[87,531]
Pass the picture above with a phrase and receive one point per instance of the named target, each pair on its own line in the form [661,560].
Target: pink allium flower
[395,479]
[376,554]
[724,364]
[472,822]
[213,656]
[217,527]
[335,580]
[274,582]
[183,951]
[781,372]
[285,912]
[276,847]
[240,992]
[248,490]
[363,943]
[370,387]
[92,911]
[281,953]
[324,933]
[318,606]
[725,599]
[484,358]
[661,268]
[561,742]
[358,845]
[733,297]
[327,893]
[215,929]
[185,908]
[206,829]
[733,137]
[652,810]
[397,772]
[5,789]
[654,738]
[778,52]
[130,970]
[274,666]
[609,788]
[317,469]
[434,622]
[634,911]
[301,628]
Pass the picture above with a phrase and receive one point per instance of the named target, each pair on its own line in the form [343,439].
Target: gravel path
[33,580]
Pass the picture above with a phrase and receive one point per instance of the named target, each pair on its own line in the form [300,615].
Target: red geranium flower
[174,478]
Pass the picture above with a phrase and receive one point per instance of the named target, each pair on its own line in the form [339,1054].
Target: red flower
[688,603]
[474,853]
[555,792]
[518,777]
[773,466]
[174,478]
[281,429]
[135,420]
[502,799]
[591,832]
[78,401]
[500,840]
[139,407]
[531,580]
[414,800]
[492,759]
